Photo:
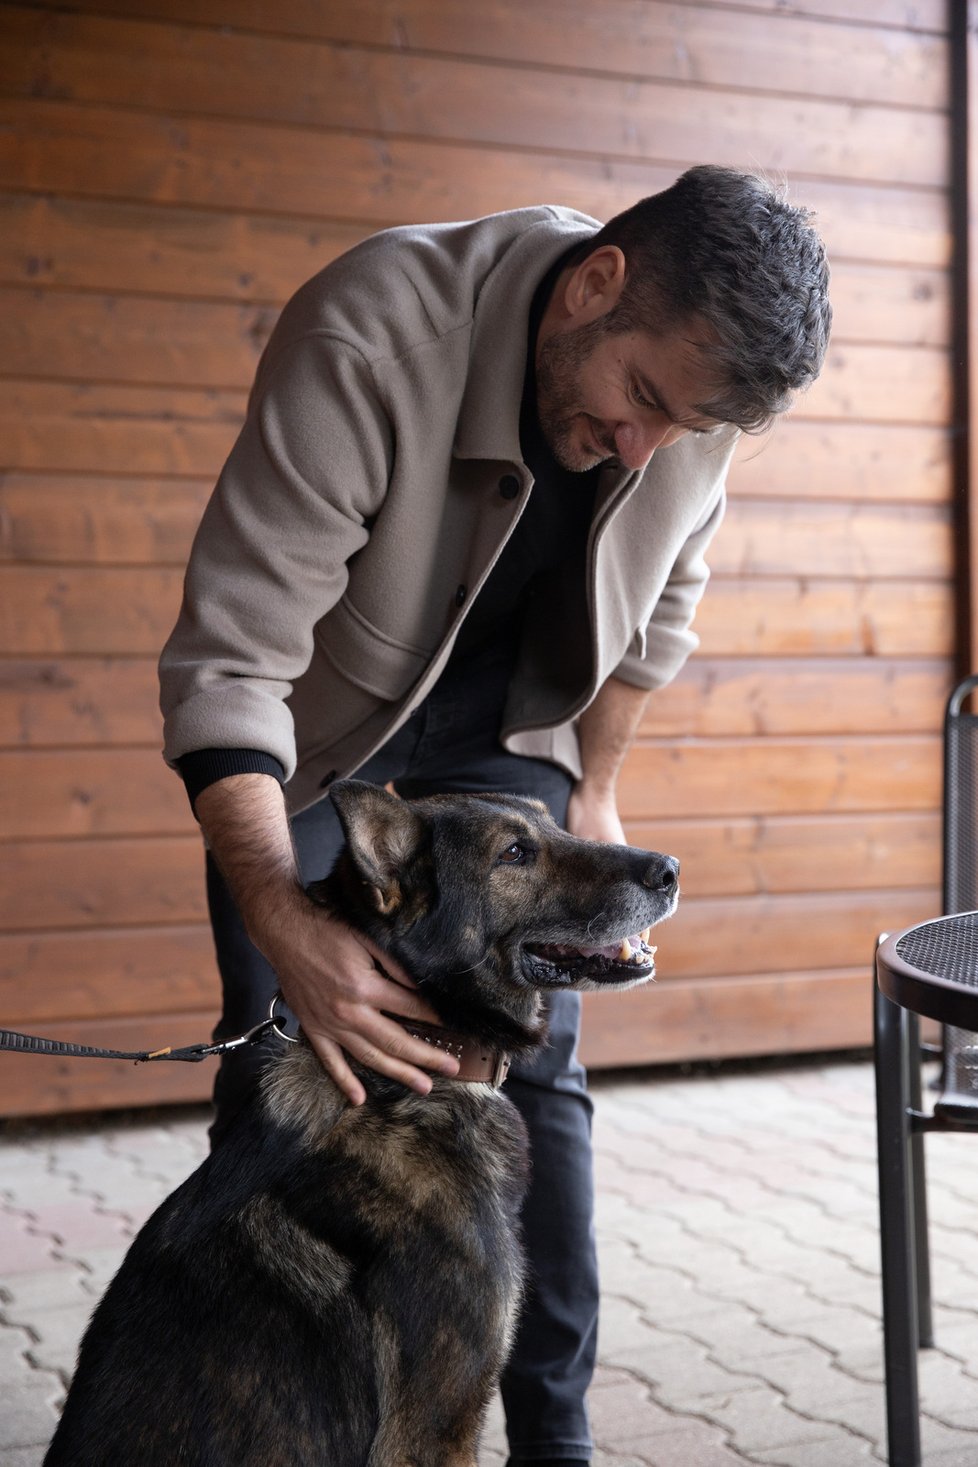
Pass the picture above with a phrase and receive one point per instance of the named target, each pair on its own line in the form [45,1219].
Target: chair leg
[900,1327]
[918,1177]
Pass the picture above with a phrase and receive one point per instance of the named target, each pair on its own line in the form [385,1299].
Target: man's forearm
[246,826]
[607,729]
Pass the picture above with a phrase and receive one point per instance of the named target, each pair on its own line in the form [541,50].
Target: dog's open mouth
[628,959]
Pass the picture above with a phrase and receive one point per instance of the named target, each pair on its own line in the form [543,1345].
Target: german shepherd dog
[336,1285]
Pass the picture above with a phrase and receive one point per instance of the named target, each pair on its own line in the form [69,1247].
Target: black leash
[192,1053]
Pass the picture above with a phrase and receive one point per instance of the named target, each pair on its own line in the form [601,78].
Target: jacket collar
[489,417]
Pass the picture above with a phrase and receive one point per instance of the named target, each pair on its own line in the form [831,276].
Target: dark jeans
[451,744]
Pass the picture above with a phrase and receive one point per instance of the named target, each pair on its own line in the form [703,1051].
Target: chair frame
[907,1315]
[901,1126]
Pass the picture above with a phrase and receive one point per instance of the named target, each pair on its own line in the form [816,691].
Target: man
[449,550]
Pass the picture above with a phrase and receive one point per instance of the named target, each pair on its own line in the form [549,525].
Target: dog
[337,1285]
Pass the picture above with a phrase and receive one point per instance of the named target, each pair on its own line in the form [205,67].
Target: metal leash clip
[280,1020]
[274,1024]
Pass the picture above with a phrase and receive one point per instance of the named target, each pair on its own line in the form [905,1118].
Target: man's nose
[635,443]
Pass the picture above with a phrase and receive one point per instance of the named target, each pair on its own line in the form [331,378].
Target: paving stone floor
[737,1227]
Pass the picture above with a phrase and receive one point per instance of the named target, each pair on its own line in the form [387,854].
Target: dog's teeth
[625,956]
[645,935]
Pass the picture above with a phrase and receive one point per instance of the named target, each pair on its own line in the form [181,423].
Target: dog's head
[485,901]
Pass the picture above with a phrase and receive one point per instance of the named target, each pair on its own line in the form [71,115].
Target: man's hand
[593,815]
[606,731]
[331,984]
[326,971]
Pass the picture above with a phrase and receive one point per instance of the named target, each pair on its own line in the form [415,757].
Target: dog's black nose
[662,874]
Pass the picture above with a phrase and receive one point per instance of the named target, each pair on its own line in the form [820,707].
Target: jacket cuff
[206,766]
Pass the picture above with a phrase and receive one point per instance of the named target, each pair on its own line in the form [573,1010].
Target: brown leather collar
[477,1063]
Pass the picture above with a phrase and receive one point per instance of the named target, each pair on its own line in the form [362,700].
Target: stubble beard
[562,420]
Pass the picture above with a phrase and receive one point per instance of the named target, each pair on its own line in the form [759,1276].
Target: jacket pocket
[357,675]
[367,657]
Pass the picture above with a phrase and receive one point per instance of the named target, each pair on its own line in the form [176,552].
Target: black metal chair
[930,970]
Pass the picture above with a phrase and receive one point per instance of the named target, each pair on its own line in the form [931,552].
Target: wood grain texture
[102,338]
[96,428]
[107,973]
[122,610]
[187,159]
[781,854]
[845,462]
[674,42]
[880,383]
[74,518]
[782,775]
[90,792]
[822,618]
[78,700]
[852,541]
[928,16]
[171,170]
[198,72]
[890,303]
[727,1018]
[50,885]
[193,254]
[747,936]
[825,695]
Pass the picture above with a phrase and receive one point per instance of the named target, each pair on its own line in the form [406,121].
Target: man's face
[603,395]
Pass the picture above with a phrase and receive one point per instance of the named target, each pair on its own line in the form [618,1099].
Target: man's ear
[382,834]
[595,286]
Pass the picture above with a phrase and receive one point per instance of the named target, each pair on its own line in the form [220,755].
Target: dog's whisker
[481,963]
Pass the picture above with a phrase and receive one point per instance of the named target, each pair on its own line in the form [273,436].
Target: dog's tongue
[611,950]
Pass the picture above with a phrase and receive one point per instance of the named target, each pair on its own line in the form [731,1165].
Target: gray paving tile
[29,1413]
[738,1240]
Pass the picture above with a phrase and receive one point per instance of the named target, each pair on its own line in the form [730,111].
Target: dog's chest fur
[352,1271]
[407,1206]
[445,1172]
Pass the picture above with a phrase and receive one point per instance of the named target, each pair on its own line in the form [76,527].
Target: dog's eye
[514,855]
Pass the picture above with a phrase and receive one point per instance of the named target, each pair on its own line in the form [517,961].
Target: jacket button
[460,595]
[327,779]
[509,486]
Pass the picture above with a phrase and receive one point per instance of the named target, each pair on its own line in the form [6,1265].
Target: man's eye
[641,399]
[514,855]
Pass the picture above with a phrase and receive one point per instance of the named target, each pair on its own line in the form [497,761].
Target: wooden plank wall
[171,170]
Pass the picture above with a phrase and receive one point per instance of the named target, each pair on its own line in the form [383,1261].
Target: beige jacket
[369,495]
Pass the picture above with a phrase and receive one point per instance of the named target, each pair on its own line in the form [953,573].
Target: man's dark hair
[727,249]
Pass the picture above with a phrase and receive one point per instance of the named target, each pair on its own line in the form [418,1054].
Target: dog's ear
[382,833]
